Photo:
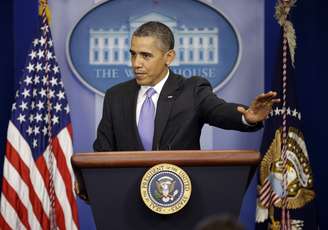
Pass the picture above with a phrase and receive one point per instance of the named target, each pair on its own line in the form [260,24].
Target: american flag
[38,181]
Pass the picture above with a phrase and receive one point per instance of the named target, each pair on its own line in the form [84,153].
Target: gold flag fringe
[283,8]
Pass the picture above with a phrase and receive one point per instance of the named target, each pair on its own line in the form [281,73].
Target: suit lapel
[164,106]
[131,105]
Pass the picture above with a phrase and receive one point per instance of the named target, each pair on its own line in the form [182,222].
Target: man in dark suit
[159,110]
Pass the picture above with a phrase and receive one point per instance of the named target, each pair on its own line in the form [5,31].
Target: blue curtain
[7,72]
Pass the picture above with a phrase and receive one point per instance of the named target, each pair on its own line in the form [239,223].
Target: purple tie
[146,120]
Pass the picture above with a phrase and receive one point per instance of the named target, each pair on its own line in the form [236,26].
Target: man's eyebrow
[142,52]
[145,53]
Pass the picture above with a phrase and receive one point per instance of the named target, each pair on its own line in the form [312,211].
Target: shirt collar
[158,87]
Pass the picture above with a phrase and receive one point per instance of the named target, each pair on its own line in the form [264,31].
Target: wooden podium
[110,181]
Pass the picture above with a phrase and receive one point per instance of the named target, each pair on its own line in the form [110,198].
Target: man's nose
[136,62]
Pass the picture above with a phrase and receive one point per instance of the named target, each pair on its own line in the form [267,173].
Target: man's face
[149,61]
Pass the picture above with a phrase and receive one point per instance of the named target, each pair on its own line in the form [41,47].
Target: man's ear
[170,55]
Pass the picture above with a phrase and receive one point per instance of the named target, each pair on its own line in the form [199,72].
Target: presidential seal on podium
[165,188]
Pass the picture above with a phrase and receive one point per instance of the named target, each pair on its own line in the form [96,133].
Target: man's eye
[147,56]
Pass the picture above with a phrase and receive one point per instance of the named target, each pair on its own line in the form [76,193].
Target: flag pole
[45,15]
[289,44]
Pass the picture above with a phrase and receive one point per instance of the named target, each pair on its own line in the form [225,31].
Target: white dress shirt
[142,94]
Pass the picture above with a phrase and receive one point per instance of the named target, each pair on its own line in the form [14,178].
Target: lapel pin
[169,97]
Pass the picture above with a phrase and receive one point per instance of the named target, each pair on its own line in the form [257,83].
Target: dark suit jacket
[184,106]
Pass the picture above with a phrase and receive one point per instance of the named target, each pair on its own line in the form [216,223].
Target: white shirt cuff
[245,122]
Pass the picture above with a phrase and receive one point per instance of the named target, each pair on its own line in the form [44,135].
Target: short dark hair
[159,31]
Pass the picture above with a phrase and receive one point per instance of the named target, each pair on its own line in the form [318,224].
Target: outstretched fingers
[241,109]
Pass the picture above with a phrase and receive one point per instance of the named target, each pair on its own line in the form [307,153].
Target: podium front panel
[116,202]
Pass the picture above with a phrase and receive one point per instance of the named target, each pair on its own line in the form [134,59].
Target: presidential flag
[38,181]
[285,190]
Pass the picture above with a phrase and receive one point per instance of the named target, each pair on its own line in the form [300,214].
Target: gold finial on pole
[43,6]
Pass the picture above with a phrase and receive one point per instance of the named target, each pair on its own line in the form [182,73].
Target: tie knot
[150,92]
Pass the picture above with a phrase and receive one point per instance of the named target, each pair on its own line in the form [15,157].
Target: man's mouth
[139,75]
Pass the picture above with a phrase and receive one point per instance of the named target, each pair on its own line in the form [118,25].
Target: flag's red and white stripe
[267,196]
[25,202]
